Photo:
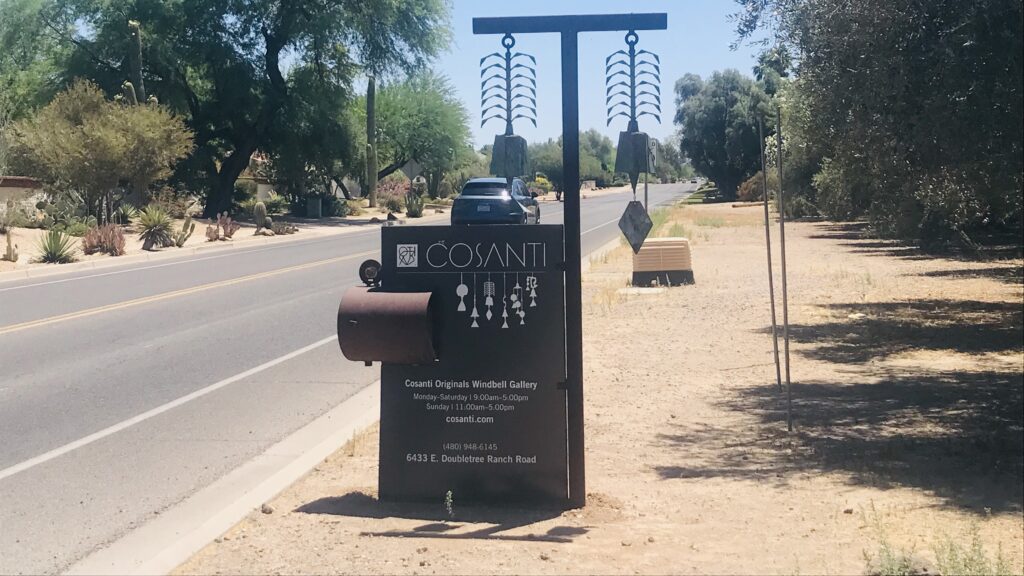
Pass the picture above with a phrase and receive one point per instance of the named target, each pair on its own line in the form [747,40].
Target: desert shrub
[954,556]
[333,206]
[173,204]
[108,239]
[445,189]
[212,233]
[12,216]
[81,141]
[355,207]
[283,228]
[76,229]
[751,189]
[125,213]
[391,195]
[245,189]
[543,183]
[56,247]
[243,195]
[277,204]
[247,207]
[154,227]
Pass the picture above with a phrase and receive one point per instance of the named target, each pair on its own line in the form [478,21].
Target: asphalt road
[125,390]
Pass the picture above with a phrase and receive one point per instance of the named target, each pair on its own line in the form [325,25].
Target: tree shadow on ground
[1010,274]
[957,435]
[858,237]
[869,331]
[439,524]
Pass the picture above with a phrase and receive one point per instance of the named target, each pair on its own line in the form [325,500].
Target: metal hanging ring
[508,41]
[632,38]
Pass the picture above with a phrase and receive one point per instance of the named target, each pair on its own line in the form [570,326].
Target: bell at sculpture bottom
[508,159]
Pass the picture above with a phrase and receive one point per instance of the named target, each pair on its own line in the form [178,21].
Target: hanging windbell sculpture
[508,94]
[633,89]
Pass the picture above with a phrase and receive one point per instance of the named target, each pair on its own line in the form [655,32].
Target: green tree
[421,119]
[718,124]
[597,157]
[914,110]
[28,59]
[83,143]
[224,65]
[772,66]
[313,145]
[671,163]
[393,36]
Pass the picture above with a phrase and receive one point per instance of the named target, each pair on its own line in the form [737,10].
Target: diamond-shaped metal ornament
[635,225]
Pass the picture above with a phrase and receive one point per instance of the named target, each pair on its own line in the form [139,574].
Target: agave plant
[155,228]
[125,213]
[56,247]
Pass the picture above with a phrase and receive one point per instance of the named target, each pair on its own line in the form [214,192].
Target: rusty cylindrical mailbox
[392,327]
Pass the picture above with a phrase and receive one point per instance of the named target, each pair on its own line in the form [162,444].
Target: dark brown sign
[487,420]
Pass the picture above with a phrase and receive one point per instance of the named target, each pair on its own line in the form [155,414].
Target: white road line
[600,226]
[185,260]
[57,452]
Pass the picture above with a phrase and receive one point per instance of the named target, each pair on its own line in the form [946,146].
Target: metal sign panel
[635,225]
[487,420]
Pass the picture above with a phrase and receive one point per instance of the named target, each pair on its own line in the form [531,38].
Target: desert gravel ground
[907,375]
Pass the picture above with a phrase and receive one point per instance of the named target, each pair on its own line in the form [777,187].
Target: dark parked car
[489,201]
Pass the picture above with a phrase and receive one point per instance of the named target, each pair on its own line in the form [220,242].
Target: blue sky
[697,40]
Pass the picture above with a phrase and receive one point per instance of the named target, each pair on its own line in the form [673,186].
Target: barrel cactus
[259,215]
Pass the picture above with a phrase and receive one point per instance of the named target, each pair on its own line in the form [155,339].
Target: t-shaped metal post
[569,27]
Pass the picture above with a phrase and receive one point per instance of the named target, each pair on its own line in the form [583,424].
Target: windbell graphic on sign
[513,300]
[476,284]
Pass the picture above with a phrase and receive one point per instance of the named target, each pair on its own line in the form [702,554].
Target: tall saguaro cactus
[371,141]
[135,59]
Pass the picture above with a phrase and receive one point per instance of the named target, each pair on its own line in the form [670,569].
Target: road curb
[171,538]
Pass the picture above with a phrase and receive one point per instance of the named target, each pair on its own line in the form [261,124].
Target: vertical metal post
[573,273]
[785,295]
[768,246]
[647,205]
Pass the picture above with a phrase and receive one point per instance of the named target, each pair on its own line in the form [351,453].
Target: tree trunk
[371,141]
[344,189]
[433,183]
[390,168]
[224,185]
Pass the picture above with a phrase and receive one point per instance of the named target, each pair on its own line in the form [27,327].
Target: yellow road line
[172,294]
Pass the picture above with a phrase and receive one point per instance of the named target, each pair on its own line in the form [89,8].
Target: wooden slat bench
[663,261]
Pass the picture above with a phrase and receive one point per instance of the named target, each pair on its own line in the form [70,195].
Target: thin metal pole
[573,273]
[785,294]
[768,247]
[647,206]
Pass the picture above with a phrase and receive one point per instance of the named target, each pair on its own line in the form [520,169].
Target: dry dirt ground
[907,385]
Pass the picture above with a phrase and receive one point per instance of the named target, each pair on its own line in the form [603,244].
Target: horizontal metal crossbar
[583,23]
